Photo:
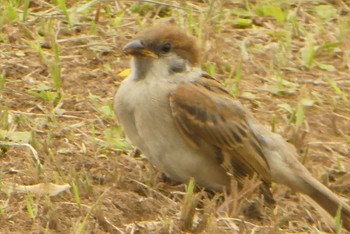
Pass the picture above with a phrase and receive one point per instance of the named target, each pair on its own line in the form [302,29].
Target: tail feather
[328,200]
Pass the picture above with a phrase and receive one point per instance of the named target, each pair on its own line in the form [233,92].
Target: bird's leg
[136,152]
[266,192]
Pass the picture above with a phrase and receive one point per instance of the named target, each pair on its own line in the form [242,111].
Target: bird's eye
[166,47]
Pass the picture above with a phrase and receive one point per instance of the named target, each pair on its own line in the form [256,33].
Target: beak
[135,48]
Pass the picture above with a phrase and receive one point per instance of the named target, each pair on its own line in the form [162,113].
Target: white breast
[143,109]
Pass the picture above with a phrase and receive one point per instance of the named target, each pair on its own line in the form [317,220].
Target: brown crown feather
[182,43]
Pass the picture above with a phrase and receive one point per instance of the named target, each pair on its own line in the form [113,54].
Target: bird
[189,126]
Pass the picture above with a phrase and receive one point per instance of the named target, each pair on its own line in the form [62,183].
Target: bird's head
[163,47]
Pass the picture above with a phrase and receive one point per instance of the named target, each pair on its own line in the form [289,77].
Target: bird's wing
[213,122]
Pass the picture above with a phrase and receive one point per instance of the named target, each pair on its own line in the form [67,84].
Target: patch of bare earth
[78,142]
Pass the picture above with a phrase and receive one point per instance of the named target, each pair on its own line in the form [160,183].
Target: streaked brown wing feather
[212,121]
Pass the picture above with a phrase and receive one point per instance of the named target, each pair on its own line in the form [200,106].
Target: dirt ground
[60,66]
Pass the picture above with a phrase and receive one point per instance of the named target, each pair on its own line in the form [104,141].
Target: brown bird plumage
[188,125]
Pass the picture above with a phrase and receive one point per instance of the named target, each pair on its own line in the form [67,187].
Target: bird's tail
[328,200]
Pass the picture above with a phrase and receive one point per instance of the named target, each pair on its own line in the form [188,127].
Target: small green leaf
[10,13]
[76,193]
[249,95]
[243,23]
[326,67]
[337,89]
[209,68]
[63,7]
[299,115]
[25,9]
[87,6]
[107,111]
[113,137]
[283,87]
[32,211]
[286,107]
[189,205]
[326,12]
[338,220]
[308,53]
[242,13]
[307,102]
[18,137]
[46,95]
[118,19]
[20,54]
[141,8]
[2,81]
[274,11]
[329,47]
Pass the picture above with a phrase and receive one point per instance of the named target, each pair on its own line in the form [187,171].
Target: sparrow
[188,125]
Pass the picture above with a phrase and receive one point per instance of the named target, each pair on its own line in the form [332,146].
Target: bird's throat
[141,67]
